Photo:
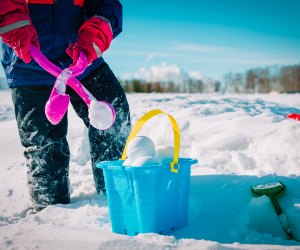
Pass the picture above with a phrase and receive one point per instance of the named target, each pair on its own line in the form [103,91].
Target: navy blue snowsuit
[46,148]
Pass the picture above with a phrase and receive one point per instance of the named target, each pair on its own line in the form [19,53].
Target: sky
[211,37]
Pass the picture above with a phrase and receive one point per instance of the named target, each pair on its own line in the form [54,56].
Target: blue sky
[213,37]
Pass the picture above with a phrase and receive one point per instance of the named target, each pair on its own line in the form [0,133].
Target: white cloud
[197,75]
[166,73]
[151,56]
[162,73]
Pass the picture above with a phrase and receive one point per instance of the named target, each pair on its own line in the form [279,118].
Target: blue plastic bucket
[147,199]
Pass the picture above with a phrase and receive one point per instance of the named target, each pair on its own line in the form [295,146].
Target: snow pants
[46,148]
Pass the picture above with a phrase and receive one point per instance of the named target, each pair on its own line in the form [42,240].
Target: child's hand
[16,28]
[95,36]
[20,39]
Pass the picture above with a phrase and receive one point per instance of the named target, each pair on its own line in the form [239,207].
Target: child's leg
[108,144]
[46,148]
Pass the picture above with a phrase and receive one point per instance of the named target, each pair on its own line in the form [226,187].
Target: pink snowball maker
[58,102]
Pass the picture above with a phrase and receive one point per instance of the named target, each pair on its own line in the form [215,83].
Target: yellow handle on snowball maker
[176,133]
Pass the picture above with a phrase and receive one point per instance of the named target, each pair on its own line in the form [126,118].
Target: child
[61,29]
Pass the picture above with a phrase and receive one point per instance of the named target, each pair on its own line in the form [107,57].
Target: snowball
[140,146]
[61,80]
[144,161]
[128,162]
[164,154]
[100,115]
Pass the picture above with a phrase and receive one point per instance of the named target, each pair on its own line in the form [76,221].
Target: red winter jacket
[13,14]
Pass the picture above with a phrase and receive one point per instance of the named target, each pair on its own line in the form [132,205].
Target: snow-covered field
[239,141]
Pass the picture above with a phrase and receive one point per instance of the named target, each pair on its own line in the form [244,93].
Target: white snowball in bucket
[164,154]
[145,161]
[100,115]
[140,146]
[128,162]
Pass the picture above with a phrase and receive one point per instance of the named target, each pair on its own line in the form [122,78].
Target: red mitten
[95,36]
[20,39]
[294,116]
[16,28]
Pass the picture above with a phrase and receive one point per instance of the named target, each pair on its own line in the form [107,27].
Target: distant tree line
[188,86]
[283,79]
[264,80]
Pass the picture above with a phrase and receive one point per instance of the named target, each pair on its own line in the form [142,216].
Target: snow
[164,154]
[60,83]
[140,152]
[140,146]
[239,140]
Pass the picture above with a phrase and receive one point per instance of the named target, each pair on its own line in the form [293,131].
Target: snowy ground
[239,141]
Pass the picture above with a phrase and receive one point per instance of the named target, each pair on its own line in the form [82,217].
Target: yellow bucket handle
[176,132]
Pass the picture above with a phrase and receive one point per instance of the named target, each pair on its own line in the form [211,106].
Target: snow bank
[239,141]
